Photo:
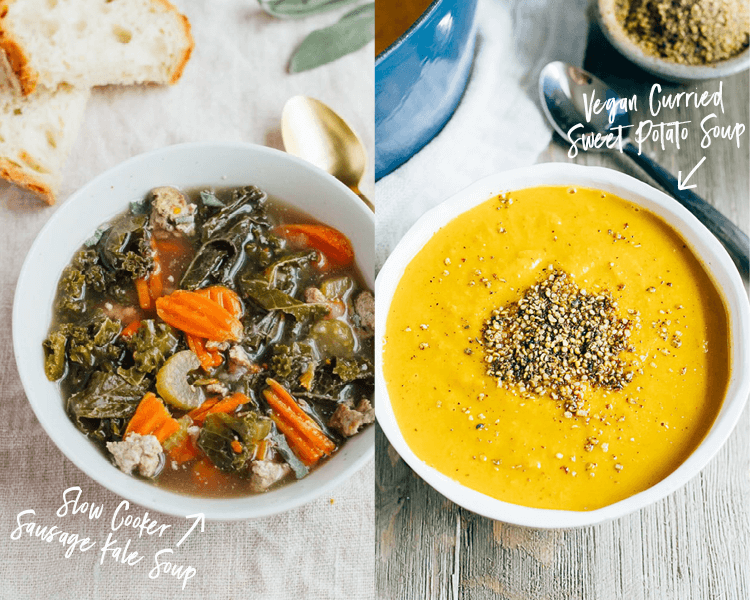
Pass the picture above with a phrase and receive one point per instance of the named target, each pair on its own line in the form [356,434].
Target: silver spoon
[561,89]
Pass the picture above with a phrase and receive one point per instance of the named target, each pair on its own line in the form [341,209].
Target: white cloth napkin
[499,124]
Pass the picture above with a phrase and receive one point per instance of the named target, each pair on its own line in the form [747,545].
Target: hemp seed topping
[558,339]
[692,32]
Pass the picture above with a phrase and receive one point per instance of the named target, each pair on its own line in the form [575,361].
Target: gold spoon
[313,131]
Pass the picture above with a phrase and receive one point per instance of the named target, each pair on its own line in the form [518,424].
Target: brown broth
[393,18]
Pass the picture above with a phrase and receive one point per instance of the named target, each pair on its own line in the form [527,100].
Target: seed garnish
[557,340]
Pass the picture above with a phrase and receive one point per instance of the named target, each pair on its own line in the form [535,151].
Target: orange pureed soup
[601,369]
[393,18]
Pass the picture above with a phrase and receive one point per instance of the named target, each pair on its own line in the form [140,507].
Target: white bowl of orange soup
[552,452]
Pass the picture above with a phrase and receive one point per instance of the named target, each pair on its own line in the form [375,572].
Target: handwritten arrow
[681,184]
[199,518]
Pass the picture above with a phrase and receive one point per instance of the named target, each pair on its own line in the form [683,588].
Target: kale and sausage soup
[216,342]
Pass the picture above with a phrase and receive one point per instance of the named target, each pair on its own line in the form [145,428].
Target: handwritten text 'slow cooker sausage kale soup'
[556,348]
[219,343]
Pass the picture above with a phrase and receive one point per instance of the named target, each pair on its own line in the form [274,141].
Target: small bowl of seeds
[680,40]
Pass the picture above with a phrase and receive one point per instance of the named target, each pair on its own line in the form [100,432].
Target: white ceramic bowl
[703,244]
[187,166]
[605,12]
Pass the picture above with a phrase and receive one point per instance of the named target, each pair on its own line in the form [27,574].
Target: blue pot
[419,81]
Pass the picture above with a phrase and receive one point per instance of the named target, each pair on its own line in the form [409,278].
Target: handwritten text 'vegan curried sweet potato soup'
[556,348]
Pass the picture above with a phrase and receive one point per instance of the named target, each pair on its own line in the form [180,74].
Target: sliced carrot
[227,405]
[207,474]
[261,449]
[151,287]
[198,315]
[155,279]
[334,245]
[228,300]
[184,452]
[152,418]
[308,454]
[306,378]
[144,294]
[303,435]
[175,247]
[224,297]
[180,446]
[304,428]
[209,358]
[230,403]
[130,329]
[307,427]
[236,447]
[198,415]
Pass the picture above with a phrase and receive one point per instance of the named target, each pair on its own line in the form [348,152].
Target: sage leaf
[297,9]
[353,31]
[360,12]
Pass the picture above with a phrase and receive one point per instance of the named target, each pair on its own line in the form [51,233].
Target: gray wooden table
[693,544]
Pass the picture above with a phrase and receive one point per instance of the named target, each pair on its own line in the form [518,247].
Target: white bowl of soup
[559,345]
[299,189]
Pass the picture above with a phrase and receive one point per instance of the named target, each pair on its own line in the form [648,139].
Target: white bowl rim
[717,263]
[128,487]
[658,66]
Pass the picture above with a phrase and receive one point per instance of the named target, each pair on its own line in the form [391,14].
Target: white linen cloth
[499,124]
[233,88]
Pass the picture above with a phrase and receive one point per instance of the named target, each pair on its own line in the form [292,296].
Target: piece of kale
[89,344]
[126,246]
[338,381]
[54,355]
[268,298]
[261,332]
[93,343]
[152,344]
[288,273]
[352,369]
[233,236]
[149,347]
[289,363]
[219,432]
[71,291]
[106,397]
[246,202]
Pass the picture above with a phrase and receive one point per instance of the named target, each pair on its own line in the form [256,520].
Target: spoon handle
[734,239]
[362,197]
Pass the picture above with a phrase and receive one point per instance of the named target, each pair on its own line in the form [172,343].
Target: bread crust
[180,66]
[20,177]
[27,77]
[17,59]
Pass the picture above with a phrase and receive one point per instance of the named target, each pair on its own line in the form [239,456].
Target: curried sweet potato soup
[393,18]
[556,348]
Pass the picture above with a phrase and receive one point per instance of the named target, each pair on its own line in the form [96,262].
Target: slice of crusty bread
[86,43]
[36,135]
